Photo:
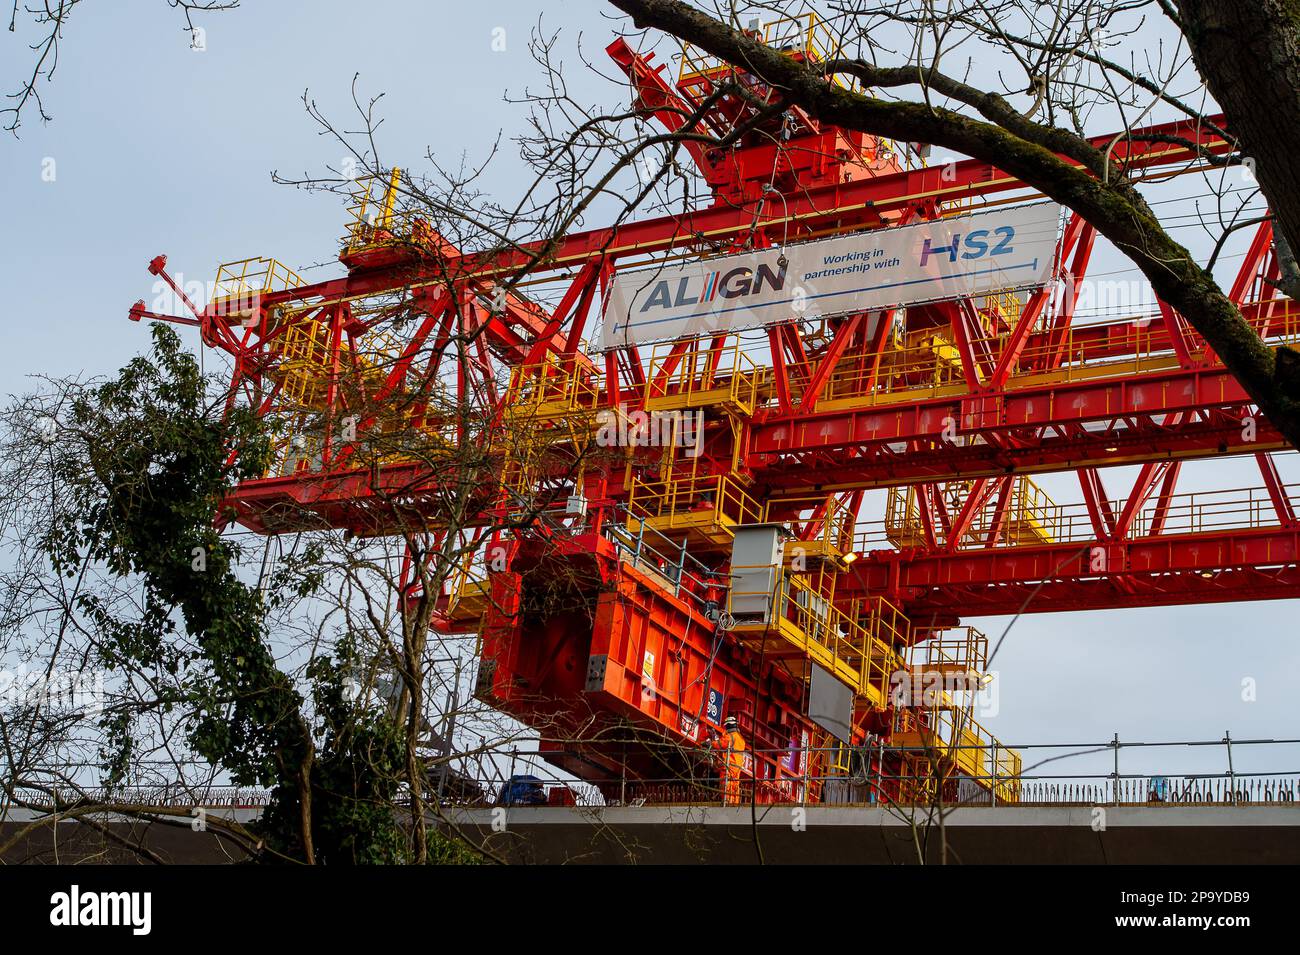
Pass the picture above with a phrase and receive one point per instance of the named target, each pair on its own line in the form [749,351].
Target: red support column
[877,348]
[1164,501]
[1276,489]
[829,359]
[998,524]
[1099,509]
[975,500]
[1060,330]
[1015,343]
[580,288]
[1145,483]
[332,391]
[780,376]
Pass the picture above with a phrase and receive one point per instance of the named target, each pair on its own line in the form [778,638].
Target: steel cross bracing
[947,408]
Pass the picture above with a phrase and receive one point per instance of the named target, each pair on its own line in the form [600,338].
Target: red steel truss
[947,408]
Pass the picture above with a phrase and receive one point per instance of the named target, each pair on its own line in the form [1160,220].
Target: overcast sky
[156,148]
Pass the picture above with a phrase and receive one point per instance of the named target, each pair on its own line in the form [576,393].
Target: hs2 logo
[977,245]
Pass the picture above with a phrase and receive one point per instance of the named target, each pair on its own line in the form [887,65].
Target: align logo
[72,908]
[738,282]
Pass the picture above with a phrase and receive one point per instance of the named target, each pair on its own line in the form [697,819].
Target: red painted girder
[924,503]
[827,361]
[1176,334]
[1143,335]
[878,466]
[347,498]
[654,94]
[947,607]
[579,292]
[1100,513]
[998,523]
[355,499]
[1261,245]
[1144,485]
[1078,238]
[975,500]
[920,578]
[1099,399]
[965,333]
[1164,500]
[809,209]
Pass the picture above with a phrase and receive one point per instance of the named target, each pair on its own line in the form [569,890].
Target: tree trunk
[304,797]
[1248,53]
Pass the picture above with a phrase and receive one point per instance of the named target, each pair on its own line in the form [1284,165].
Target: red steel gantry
[946,409]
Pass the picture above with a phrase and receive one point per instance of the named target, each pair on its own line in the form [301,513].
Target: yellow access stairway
[932,697]
[947,739]
[805,626]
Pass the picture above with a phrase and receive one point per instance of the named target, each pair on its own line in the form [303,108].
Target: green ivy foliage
[155,463]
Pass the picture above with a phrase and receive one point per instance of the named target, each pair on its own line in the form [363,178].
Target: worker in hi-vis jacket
[732,747]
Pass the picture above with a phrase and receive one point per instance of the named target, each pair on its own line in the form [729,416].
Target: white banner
[930,261]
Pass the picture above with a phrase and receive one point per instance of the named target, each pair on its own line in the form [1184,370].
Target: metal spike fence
[170,796]
[521,778]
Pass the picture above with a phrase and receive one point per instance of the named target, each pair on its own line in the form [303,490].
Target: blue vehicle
[522,790]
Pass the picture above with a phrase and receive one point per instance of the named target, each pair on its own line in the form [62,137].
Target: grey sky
[161,149]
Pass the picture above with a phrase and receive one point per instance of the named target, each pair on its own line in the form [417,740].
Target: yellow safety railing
[704,375]
[532,449]
[304,353]
[838,755]
[889,628]
[960,652]
[305,369]
[902,518]
[832,530]
[1007,765]
[398,430]
[883,619]
[551,389]
[522,451]
[550,411]
[926,363]
[857,646]
[378,350]
[1004,307]
[375,219]
[1200,512]
[950,736]
[681,501]
[805,37]
[239,285]
[403,433]
[1129,347]
[468,590]
[1031,516]
[921,363]
[1196,512]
